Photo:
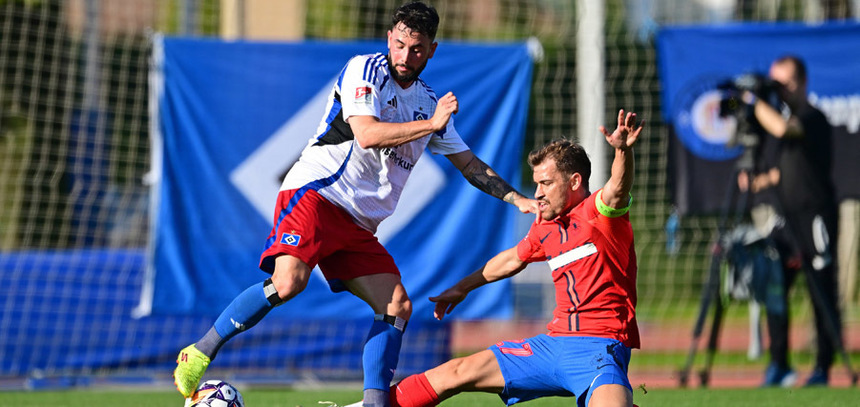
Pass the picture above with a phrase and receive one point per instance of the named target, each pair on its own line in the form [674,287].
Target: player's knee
[288,285]
[400,305]
[476,372]
[403,308]
[459,371]
[451,377]
[463,373]
[611,395]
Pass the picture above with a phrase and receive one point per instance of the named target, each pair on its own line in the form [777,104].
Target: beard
[405,78]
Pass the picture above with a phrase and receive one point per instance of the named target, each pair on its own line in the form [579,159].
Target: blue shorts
[567,366]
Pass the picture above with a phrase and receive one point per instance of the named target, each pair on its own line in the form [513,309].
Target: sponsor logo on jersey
[290,239]
[363,94]
[397,159]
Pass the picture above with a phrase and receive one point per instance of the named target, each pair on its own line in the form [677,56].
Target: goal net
[75,163]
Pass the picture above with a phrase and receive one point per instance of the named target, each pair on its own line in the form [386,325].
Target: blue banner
[68,321]
[232,117]
[694,60]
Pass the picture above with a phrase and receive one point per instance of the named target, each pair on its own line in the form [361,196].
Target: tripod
[711,290]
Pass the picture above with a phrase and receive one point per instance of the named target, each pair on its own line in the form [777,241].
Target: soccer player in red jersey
[587,240]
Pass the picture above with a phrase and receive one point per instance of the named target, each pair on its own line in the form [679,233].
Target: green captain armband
[609,211]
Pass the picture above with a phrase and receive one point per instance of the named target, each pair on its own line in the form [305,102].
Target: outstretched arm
[503,265]
[481,176]
[616,192]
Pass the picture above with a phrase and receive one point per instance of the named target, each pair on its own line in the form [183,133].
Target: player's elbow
[370,140]
[615,195]
[515,266]
[365,131]
[366,142]
[509,265]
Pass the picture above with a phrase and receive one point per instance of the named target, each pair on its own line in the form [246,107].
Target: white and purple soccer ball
[217,393]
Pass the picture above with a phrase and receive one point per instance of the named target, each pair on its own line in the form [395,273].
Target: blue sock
[244,312]
[381,353]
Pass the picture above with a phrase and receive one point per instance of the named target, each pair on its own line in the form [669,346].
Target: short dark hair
[418,17]
[569,157]
[799,66]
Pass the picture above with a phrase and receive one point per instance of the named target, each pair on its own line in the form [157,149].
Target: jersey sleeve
[530,249]
[359,86]
[447,141]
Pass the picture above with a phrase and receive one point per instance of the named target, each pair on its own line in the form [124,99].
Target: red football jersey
[593,264]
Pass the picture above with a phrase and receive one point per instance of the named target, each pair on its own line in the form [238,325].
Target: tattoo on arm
[480,175]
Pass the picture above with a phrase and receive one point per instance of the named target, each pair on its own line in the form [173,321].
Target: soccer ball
[217,393]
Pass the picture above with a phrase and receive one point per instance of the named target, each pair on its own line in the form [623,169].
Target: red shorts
[312,229]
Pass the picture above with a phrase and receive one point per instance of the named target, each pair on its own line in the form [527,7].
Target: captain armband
[609,211]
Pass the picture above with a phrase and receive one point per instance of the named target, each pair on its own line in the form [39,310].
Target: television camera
[749,131]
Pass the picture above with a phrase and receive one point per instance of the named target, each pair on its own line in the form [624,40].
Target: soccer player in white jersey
[380,118]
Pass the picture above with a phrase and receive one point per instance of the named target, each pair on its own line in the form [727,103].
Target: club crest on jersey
[416,115]
[290,239]
[363,94]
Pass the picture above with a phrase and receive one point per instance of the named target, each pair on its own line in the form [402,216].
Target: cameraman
[760,180]
[807,200]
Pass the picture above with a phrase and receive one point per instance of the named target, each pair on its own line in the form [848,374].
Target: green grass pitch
[311,398]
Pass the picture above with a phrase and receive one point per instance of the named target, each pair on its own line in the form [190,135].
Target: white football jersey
[367,182]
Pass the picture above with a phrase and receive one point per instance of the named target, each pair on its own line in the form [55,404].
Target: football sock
[210,343]
[381,354]
[244,312]
[374,398]
[414,391]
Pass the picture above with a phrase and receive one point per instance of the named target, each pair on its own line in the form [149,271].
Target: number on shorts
[524,349]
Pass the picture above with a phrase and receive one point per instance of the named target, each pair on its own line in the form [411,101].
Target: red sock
[413,391]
